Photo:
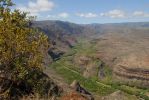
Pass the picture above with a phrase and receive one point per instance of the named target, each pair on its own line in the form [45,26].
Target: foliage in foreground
[21,55]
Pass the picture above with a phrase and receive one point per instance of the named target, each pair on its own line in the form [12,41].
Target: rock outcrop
[133,70]
[77,87]
[119,95]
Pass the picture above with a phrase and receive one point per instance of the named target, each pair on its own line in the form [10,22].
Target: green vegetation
[71,71]
[22,50]
[84,47]
[91,85]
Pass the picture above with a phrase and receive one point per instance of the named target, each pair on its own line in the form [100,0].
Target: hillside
[105,57]
[113,56]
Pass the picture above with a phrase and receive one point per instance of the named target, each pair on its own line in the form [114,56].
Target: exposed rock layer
[133,69]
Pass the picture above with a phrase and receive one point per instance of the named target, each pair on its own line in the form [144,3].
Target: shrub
[22,49]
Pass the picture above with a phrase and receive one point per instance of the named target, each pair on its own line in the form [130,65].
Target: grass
[134,91]
[88,84]
[125,88]
[70,72]
[94,85]
[67,62]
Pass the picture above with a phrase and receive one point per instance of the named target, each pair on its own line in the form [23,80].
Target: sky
[87,11]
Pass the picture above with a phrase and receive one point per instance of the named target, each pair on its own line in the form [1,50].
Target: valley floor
[67,69]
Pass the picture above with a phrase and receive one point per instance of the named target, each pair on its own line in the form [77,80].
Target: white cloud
[51,16]
[114,14]
[87,15]
[57,16]
[63,15]
[140,14]
[37,6]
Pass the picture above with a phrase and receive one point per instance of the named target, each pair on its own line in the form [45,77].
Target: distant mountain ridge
[51,27]
[64,35]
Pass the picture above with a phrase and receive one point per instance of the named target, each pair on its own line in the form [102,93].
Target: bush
[22,49]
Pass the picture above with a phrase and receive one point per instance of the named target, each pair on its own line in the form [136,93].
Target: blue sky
[87,11]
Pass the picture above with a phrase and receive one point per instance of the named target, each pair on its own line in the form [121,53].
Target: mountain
[113,56]
[55,28]
[61,34]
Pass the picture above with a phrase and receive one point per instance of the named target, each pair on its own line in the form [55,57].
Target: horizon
[93,23]
[87,11]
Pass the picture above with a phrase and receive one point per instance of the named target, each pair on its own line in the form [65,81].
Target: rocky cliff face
[133,70]
[127,54]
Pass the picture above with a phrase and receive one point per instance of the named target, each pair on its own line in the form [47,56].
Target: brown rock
[133,69]
[73,96]
[76,87]
[119,95]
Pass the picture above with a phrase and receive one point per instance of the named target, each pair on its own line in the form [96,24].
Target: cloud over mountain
[140,14]
[87,15]
[114,14]
[63,15]
[37,6]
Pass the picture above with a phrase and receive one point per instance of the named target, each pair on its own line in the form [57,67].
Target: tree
[22,48]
